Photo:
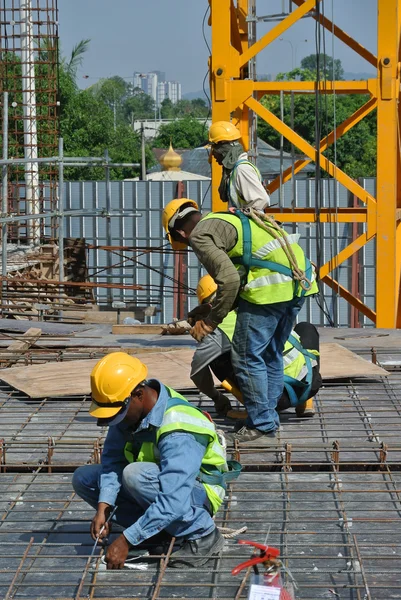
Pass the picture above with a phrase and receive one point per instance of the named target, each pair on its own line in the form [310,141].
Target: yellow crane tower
[235,95]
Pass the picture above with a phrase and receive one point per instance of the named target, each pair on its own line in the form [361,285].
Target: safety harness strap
[247,260]
[218,478]
[290,383]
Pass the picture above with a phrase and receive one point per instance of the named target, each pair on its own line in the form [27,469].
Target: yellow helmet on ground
[223,131]
[205,288]
[112,380]
[173,212]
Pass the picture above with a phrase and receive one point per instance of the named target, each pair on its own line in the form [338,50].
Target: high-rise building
[170,90]
[156,87]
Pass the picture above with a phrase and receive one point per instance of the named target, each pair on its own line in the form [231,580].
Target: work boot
[195,553]
[222,404]
[246,434]
[306,409]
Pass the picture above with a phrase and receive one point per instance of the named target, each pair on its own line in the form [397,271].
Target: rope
[229,533]
[281,236]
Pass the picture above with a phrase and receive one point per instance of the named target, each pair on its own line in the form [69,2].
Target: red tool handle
[274,552]
[266,552]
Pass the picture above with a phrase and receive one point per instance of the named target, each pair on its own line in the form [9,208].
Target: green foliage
[87,126]
[183,133]
[355,152]
[328,68]
[184,108]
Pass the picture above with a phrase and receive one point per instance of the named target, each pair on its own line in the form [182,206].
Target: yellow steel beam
[387,278]
[346,294]
[326,215]
[310,151]
[367,86]
[221,69]
[277,31]
[344,37]
[339,258]
[340,130]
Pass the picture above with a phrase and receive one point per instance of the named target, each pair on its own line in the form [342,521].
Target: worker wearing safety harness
[162,466]
[302,378]
[241,182]
[250,256]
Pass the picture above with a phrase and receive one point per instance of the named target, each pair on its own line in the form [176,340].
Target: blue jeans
[140,486]
[257,357]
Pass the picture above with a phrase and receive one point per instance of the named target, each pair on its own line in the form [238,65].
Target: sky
[166,35]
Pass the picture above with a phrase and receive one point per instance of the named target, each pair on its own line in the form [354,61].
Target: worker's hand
[117,553]
[222,404]
[99,520]
[201,329]
[199,313]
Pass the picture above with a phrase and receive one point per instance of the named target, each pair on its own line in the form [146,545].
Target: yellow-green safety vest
[180,415]
[266,286]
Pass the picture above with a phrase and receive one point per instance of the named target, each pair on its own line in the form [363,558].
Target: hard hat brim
[102,412]
[112,421]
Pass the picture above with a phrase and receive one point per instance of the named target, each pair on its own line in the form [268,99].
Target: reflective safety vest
[227,325]
[298,362]
[256,248]
[233,193]
[180,415]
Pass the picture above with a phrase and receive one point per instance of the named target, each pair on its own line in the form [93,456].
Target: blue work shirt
[181,456]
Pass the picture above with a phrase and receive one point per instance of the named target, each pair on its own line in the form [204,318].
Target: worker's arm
[113,463]
[250,187]
[211,240]
[180,460]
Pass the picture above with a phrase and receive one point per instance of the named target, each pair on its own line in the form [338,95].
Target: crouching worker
[302,378]
[162,466]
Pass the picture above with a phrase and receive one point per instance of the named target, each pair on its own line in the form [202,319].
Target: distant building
[170,90]
[156,87]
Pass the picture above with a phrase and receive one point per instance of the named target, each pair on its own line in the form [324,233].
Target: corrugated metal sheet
[155,269]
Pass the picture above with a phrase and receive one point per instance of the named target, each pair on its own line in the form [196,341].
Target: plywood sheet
[338,363]
[72,377]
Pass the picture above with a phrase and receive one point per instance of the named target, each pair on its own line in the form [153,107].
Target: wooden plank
[135,329]
[172,368]
[338,362]
[20,346]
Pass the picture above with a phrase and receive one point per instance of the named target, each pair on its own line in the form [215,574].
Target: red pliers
[267,554]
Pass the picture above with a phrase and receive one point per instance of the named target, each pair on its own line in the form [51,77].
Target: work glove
[222,404]
[176,328]
[201,329]
[198,313]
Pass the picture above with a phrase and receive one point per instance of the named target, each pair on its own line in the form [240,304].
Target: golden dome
[170,160]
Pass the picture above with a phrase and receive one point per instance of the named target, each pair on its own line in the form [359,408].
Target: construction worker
[162,466]
[302,378]
[268,269]
[241,182]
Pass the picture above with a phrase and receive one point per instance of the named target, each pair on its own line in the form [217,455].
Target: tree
[76,57]
[328,68]
[355,151]
[183,133]
[138,106]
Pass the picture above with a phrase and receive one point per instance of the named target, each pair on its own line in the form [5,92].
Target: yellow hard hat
[223,131]
[205,288]
[170,215]
[112,380]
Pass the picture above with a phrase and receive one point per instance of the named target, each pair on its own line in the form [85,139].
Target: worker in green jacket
[163,467]
[302,378]
[250,257]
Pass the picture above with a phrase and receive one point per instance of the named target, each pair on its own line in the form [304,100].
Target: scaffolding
[29,73]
